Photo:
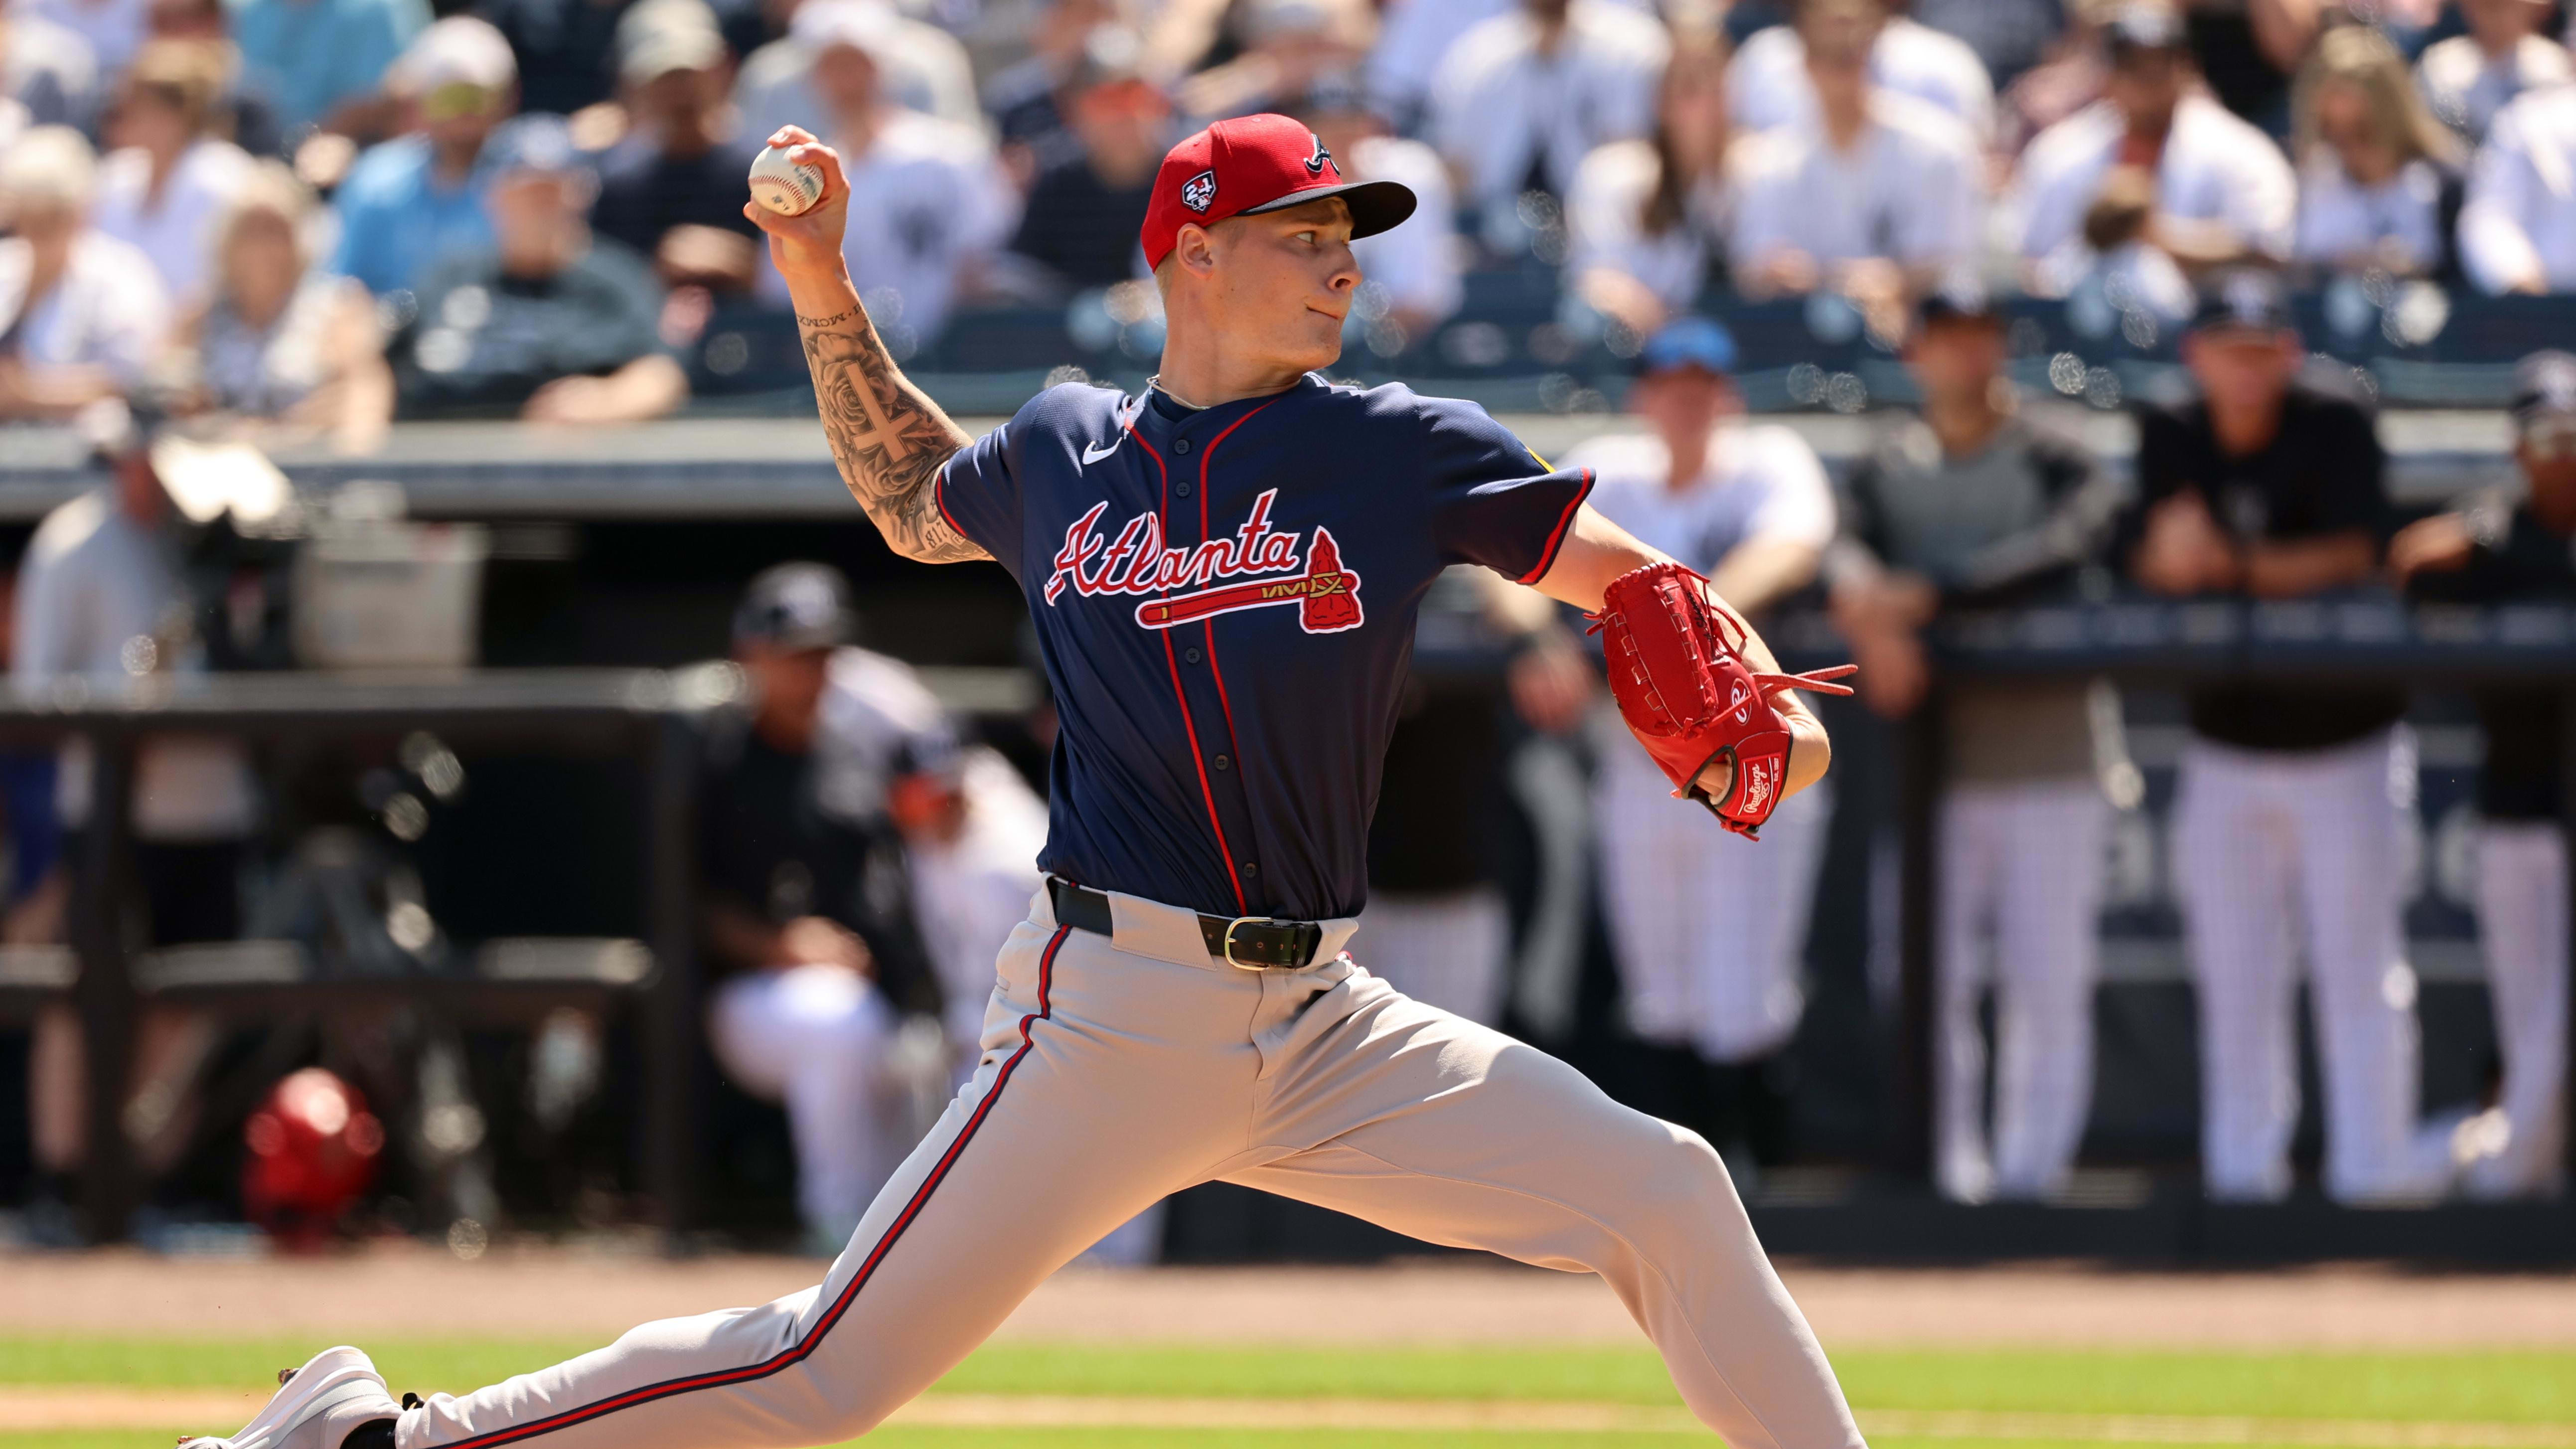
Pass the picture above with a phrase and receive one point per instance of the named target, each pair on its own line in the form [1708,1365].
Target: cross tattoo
[878,430]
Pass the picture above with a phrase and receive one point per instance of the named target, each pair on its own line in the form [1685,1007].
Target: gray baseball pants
[1119,1069]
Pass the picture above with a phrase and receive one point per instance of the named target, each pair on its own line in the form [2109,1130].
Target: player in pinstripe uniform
[1711,930]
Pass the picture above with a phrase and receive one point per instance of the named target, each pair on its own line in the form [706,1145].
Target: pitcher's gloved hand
[1677,670]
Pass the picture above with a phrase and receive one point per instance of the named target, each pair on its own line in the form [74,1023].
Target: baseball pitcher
[1222,574]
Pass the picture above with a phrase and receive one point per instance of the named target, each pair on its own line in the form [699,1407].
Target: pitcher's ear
[1195,247]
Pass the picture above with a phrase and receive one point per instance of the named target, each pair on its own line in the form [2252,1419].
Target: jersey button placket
[1202,693]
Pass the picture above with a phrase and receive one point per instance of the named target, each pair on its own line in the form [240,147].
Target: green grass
[2507,1387]
[2533,1388]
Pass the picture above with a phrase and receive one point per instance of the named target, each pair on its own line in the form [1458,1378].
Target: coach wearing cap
[794,856]
[2494,547]
[2293,799]
[1972,503]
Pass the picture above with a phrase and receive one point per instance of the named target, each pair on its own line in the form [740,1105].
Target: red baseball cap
[1253,164]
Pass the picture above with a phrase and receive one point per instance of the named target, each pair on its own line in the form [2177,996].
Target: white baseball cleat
[315,1407]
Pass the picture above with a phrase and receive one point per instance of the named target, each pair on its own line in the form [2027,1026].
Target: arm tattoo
[888,438]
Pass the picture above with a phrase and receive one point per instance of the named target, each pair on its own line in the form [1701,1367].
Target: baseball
[785,186]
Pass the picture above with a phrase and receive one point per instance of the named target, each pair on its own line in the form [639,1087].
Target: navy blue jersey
[1225,600]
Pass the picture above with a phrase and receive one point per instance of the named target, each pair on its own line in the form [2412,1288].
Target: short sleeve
[978,492]
[1798,501]
[1494,502]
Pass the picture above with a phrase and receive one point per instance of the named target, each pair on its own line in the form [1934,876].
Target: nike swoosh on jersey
[1094,452]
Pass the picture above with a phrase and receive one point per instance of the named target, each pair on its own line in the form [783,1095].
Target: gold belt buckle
[1229,940]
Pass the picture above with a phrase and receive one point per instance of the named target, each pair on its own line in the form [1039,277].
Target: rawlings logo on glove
[1677,670]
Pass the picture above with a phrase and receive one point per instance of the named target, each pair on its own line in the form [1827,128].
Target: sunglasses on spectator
[2550,437]
[454,100]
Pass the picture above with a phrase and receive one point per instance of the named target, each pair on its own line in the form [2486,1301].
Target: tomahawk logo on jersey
[1227,598]
[1136,562]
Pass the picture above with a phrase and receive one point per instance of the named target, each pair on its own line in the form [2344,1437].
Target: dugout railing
[638,715]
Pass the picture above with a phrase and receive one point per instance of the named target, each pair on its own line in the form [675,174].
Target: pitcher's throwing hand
[809,239]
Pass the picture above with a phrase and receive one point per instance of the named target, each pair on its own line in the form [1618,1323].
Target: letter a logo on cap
[1199,192]
[1321,158]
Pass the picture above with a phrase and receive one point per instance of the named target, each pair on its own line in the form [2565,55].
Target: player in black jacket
[2495,548]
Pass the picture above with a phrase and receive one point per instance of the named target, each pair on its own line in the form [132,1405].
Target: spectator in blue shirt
[321,62]
[419,198]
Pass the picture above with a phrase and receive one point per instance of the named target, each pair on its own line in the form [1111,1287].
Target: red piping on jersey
[804,1347]
[1173,661]
[939,498]
[1206,455]
[1556,540]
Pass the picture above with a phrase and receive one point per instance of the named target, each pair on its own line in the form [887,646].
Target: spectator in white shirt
[170,178]
[1412,277]
[1648,218]
[2155,176]
[1767,83]
[1412,40]
[82,314]
[2373,162]
[2468,78]
[929,203]
[926,68]
[1521,99]
[2518,225]
[1876,195]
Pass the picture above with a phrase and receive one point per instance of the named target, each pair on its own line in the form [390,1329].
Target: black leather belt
[1253,943]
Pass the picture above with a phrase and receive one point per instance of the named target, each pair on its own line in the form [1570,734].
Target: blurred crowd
[322,213]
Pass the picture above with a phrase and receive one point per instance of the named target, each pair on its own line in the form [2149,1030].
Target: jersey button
[1252,867]
[1191,655]
[1222,763]
[1180,445]
[1182,489]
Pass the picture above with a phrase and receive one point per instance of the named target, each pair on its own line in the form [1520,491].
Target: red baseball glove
[1677,669]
